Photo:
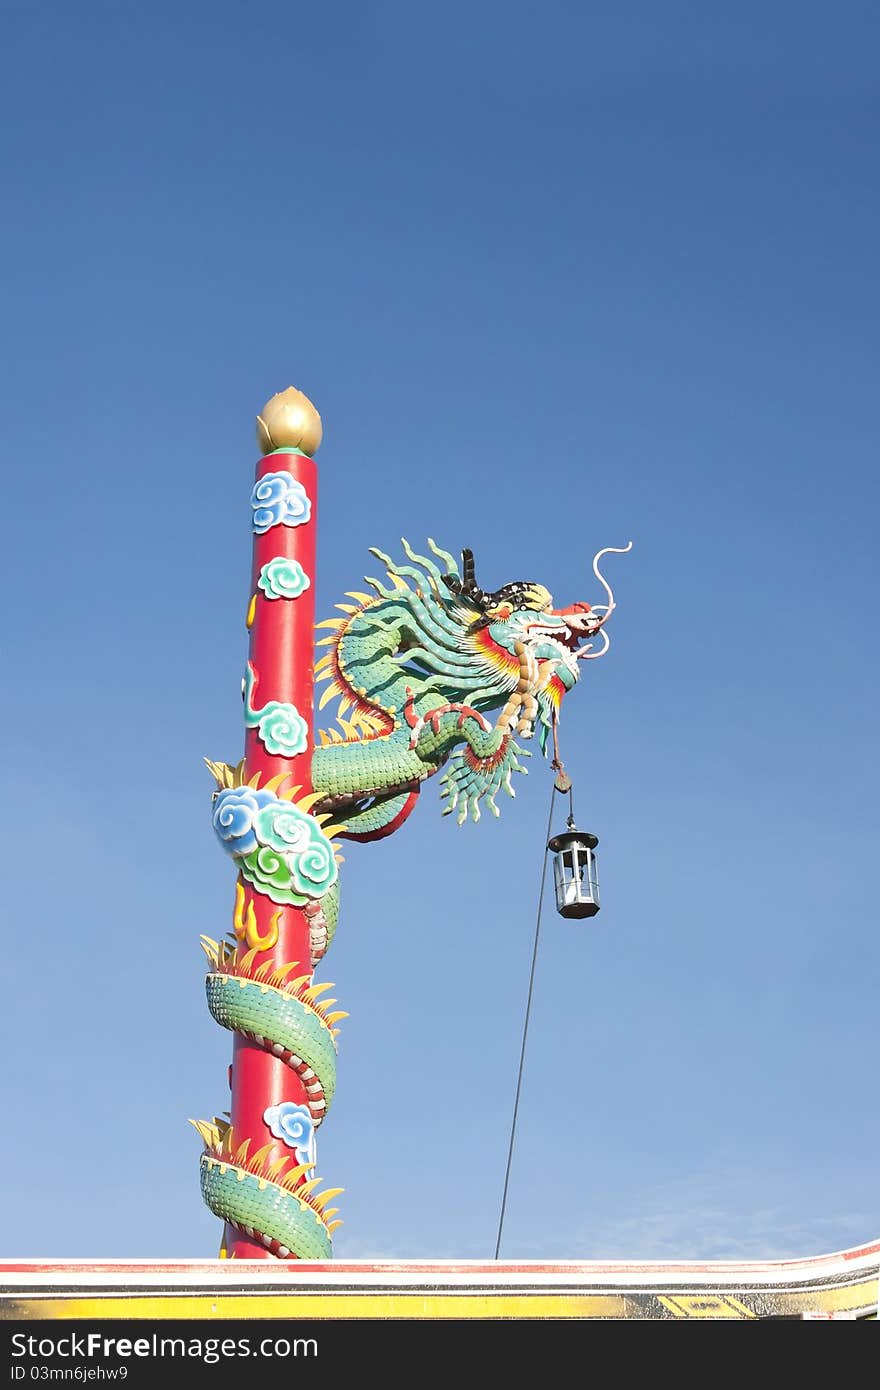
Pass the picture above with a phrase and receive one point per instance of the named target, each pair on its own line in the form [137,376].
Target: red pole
[278,741]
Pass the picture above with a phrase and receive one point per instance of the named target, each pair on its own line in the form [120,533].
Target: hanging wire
[525,1033]
[563,781]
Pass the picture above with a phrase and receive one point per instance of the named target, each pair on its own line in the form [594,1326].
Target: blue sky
[557,277]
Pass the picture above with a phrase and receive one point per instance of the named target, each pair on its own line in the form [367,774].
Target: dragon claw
[417,722]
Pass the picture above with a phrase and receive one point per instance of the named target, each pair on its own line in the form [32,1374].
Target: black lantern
[575,872]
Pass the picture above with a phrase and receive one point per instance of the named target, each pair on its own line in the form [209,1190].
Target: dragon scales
[431,674]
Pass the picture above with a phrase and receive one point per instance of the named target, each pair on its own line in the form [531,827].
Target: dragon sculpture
[431,673]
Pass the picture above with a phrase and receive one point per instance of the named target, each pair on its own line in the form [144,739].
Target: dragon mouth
[580,622]
[561,642]
[572,627]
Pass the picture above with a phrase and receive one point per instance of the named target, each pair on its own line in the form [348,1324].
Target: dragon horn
[468,573]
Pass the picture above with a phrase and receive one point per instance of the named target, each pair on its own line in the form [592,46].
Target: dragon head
[517,628]
[550,636]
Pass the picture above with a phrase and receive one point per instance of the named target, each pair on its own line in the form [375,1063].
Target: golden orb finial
[289,421]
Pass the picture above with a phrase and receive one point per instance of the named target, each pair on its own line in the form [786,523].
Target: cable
[522,1055]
